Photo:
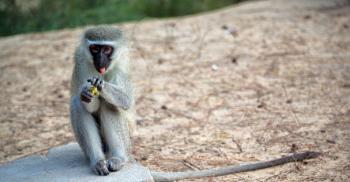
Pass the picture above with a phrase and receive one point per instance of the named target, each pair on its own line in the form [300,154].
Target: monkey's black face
[101,55]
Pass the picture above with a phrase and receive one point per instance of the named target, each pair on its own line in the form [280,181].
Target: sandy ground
[206,95]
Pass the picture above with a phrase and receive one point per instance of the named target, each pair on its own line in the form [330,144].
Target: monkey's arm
[90,102]
[172,176]
[119,96]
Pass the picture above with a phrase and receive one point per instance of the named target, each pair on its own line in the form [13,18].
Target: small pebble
[214,67]
[164,107]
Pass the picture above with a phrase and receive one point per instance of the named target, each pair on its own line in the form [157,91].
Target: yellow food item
[94,91]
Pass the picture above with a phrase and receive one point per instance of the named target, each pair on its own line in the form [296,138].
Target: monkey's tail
[172,176]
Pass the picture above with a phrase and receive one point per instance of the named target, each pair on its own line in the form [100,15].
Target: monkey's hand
[89,92]
[86,95]
[96,82]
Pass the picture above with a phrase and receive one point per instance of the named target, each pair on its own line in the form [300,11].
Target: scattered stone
[161,61]
[261,105]
[293,148]
[233,31]
[224,27]
[214,67]
[230,30]
[234,60]
[143,158]
[25,89]
[331,141]
[346,85]
[164,107]
[307,17]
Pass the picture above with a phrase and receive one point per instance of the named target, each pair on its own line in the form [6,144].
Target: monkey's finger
[99,86]
[84,98]
[101,168]
[96,81]
[87,93]
[89,80]
[92,80]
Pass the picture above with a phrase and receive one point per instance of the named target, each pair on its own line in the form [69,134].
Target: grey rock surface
[66,163]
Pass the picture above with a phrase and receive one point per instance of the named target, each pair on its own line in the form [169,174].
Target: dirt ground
[246,83]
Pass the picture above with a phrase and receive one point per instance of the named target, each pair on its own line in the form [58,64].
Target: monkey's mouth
[102,63]
[101,68]
[102,71]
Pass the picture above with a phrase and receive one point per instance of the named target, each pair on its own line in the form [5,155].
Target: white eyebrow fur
[101,42]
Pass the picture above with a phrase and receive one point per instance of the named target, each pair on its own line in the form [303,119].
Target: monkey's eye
[108,50]
[94,48]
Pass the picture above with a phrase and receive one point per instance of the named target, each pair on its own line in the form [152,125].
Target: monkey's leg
[115,130]
[88,136]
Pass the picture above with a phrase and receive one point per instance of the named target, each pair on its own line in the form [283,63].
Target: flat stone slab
[66,163]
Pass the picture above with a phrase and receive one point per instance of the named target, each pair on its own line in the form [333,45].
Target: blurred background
[23,16]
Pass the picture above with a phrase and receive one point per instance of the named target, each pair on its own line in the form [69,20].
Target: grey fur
[102,120]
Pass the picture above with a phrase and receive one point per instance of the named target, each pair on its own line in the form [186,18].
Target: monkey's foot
[101,168]
[115,164]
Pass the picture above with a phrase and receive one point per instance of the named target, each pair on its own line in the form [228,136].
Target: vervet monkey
[102,104]
[100,120]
